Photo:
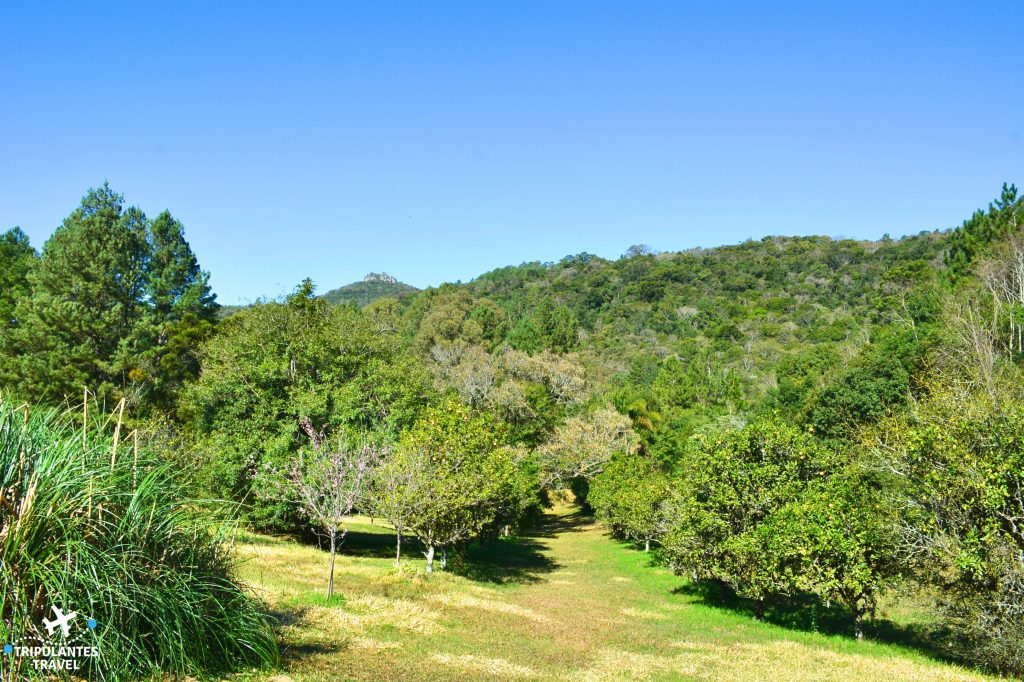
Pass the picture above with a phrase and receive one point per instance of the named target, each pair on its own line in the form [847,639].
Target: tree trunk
[647,545]
[430,558]
[759,609]
[330,575]
[444,558]
[398,548]
[858,624]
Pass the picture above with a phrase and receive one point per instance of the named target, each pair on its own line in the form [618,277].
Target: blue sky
[439,140]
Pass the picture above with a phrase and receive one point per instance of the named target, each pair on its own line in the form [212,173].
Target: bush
[957,463]
[628,496]
[109,533]
[729,485]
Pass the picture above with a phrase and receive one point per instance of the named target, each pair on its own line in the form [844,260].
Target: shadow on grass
[809,613]
[517,559]
[377,544]
[374,545]
[298,651]
[551,525]
[283,617]
[248,538]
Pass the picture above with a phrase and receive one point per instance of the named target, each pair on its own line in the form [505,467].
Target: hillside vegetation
[373,287]
[794,423]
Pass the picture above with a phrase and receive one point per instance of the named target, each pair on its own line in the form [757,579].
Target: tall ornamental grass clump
[99,526]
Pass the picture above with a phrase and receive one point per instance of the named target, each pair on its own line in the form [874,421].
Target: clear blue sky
[438,140]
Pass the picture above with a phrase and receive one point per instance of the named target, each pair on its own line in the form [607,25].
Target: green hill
[374,286]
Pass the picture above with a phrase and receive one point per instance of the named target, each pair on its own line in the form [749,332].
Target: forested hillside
[373,287]
[794,420]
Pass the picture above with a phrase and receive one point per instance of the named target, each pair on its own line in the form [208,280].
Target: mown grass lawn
[567,603]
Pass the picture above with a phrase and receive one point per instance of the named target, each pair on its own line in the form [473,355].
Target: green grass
[566,603]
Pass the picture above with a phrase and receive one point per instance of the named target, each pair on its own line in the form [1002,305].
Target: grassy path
[567,603]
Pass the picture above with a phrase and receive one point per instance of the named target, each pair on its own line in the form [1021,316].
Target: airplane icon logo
[60,621]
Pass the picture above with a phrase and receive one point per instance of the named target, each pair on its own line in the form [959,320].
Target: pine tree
[181,314]
[80,328]
[972,239]
[17,258]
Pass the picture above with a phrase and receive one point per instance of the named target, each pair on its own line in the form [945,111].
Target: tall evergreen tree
[182,310]
[17,258]
[80,328]
[973,239]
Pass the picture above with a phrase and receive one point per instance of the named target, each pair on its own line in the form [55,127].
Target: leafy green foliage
[729,484]
[469,480]
[969,242]
[834,540]
[957,463]
[181,311]
[713,401]
[116,303]
[628,496]
[82,326]
[275,365]
[877,381]
[769,510]
[17,258]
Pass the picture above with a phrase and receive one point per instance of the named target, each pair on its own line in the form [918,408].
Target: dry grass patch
[780,660]
[499,668]
[796,662]
[644,614]
[402,614]
[612,664]
[371,644]
[492,605]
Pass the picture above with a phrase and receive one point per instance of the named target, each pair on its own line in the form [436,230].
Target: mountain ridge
[374,286]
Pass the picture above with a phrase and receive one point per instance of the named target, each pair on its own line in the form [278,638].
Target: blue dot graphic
[92,623]
[8,648]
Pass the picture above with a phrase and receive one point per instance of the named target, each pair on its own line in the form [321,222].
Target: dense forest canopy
[794,415]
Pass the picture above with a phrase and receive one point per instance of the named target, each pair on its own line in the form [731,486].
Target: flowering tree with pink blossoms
[326,483]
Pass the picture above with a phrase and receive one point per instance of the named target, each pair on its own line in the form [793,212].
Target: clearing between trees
[565,602]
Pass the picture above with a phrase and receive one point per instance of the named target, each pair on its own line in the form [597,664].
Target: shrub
[729,485]
[957,464]
[108,532]
[628,496]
